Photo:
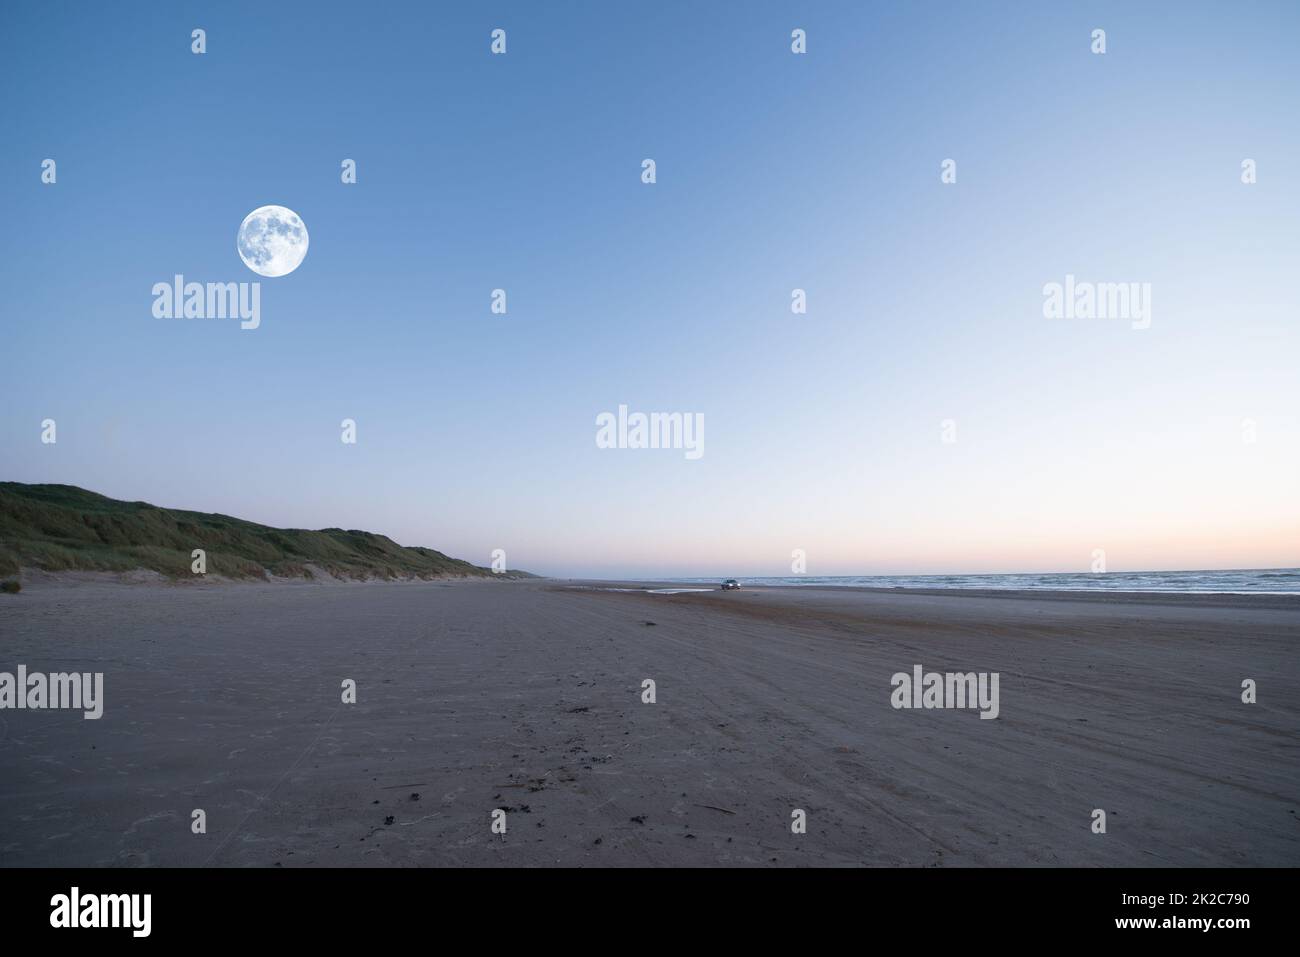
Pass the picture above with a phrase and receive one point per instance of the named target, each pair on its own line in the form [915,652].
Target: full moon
[272,241]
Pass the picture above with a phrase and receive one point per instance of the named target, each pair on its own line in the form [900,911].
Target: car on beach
[731,585]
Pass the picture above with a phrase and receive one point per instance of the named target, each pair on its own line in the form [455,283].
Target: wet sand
[527,697]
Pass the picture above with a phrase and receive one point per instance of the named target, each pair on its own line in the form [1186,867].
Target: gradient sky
[775,171]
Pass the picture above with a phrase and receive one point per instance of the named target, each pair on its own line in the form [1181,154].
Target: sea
[1260,581]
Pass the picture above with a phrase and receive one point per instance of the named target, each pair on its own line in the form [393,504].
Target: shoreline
[1286,601]
[39,578]
[34,581]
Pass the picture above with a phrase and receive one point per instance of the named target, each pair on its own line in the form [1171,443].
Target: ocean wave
[1266,581]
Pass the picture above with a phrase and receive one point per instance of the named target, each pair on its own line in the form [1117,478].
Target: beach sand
[527,697]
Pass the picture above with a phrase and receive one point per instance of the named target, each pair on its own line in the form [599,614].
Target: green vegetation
[62,527]
[10,588]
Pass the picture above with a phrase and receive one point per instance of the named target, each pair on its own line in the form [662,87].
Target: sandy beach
[527,697]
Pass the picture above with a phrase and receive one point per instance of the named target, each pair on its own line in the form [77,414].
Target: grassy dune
[62,527]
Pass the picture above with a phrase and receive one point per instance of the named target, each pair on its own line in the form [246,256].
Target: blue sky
[775,172]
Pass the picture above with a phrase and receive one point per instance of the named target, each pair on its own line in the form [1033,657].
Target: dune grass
[63,528]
